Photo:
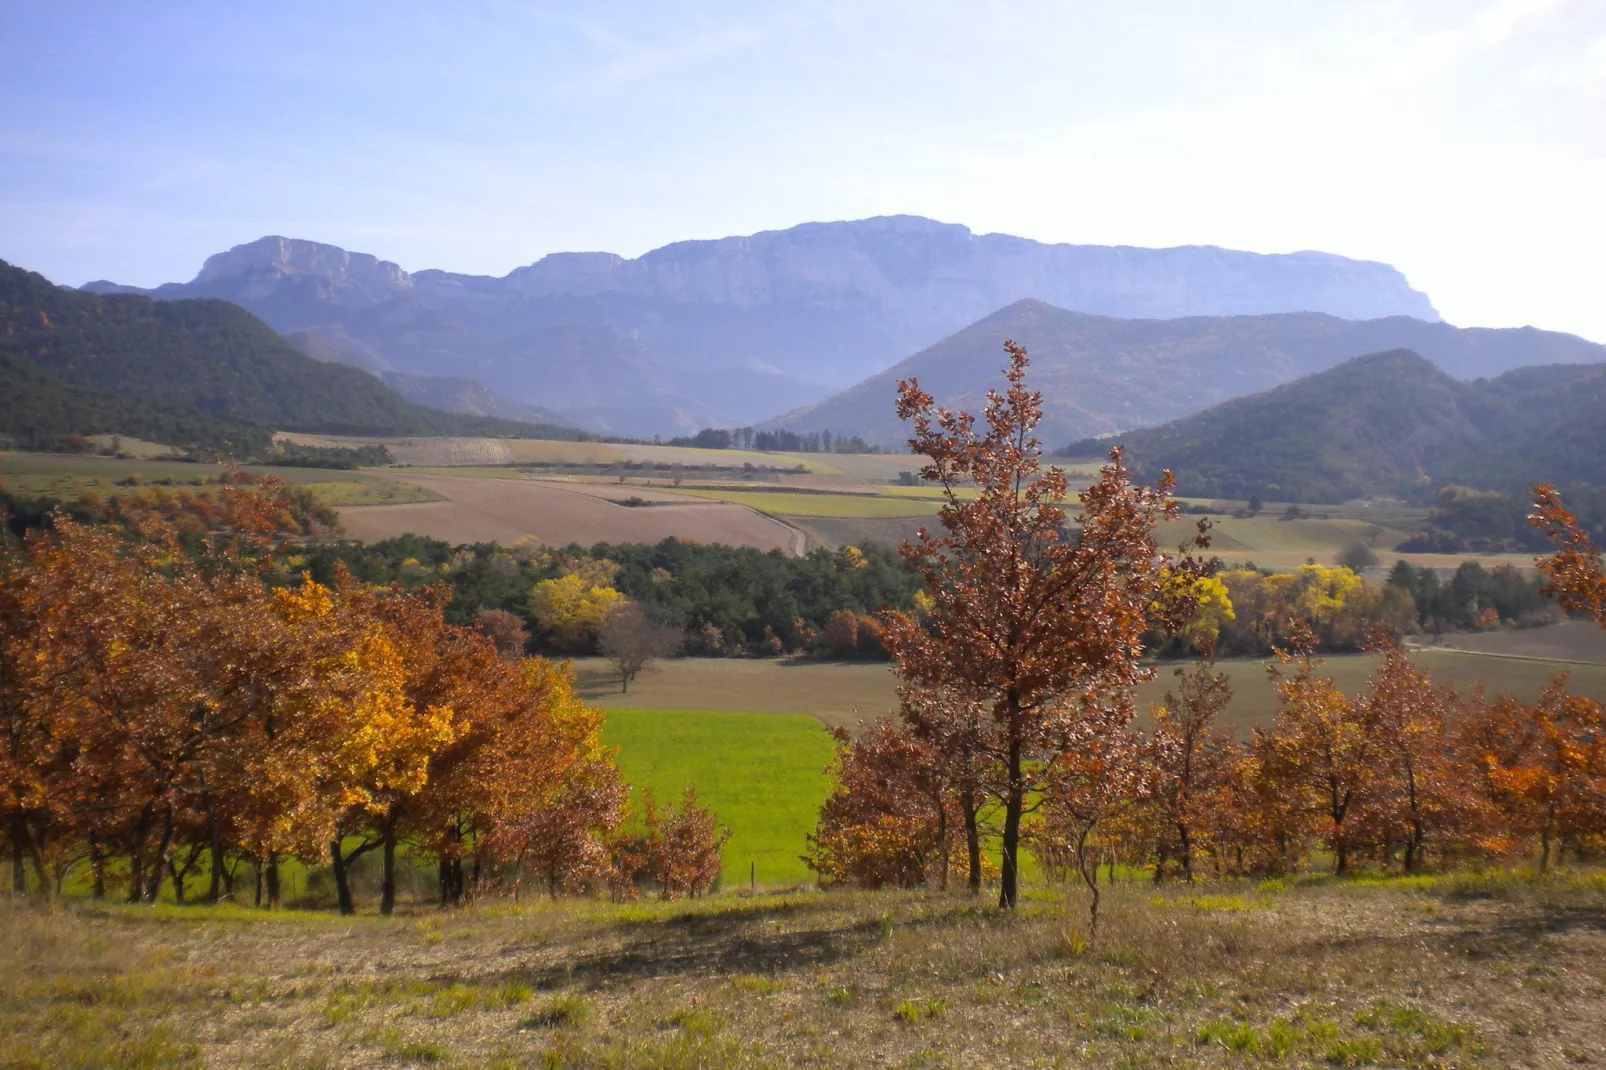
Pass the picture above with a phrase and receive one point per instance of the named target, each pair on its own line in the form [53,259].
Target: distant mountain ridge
[1100,375]
[195,359]
[789,315]
[1389,424]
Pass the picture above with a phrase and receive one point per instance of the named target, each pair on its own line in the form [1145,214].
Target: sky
[1463,141]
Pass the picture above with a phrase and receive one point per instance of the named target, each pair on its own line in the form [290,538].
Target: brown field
[557,513]
[1457,970]
[843,693]
[1570,640]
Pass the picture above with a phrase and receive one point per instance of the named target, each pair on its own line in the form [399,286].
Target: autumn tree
[886,822]
[1573,574]
[571,609]
[505,630]
[631,640]
[963,759]
[1093,779]
[1545,766]
[1425,798]
[1035,615]
[1185,762]
[1326,745]
[681,845]
[554,797]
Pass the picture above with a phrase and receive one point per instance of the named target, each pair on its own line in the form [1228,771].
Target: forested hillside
[1384,424]
[38,412]
[1100,375]
[199,357]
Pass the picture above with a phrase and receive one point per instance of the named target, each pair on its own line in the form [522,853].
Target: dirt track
[556,513]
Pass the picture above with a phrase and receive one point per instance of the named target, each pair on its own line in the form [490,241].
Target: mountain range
[732,331]
[1100,375]
[190,372]
[1392,424]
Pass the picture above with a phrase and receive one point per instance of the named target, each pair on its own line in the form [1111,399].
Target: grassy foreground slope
[761,775]
[1490,971]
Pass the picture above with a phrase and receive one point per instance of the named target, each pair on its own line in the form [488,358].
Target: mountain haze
[1099,375]
[784,317]
[1389,424]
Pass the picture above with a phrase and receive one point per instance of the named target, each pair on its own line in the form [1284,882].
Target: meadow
[763,776]
[1494,969]
[844,693]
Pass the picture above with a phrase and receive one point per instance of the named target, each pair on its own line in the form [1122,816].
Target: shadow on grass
[738,940]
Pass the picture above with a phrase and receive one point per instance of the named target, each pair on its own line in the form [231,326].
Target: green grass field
[760,774]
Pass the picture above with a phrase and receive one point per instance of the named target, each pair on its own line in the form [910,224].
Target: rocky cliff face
[804,310]
[920,268]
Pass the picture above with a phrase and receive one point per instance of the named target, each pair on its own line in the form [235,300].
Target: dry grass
[1499,971]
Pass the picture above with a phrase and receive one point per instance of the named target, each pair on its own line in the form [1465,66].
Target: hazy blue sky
[1463,141]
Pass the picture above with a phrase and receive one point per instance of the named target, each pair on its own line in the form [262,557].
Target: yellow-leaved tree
[570,610]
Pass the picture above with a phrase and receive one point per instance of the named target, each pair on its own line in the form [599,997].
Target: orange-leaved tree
[1035,614]
[1185,764]
[1325,745]
[1424,796]
[886,822]
[1573,574]
[1545,766]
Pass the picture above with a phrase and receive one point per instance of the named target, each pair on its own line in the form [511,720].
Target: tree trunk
[1014,803]
[19,869]
[972,844]
[136,858]
[1185,834]
[1090,877]
[37,857]
[177,876]
[274,899]
[97,867]
[942,840]
[387,880]
[256,866]
[342,878]
[153,888]
[214,829]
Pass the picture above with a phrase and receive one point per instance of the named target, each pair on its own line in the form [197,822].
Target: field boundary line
[1492,654]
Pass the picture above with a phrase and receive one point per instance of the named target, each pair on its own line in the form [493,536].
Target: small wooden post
[752,876]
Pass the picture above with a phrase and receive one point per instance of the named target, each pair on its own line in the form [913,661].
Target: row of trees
[1018,672]
[726,600]
[166,706]
[1406,773]
[746,438]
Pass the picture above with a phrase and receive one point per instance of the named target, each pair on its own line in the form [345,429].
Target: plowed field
[503,510]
